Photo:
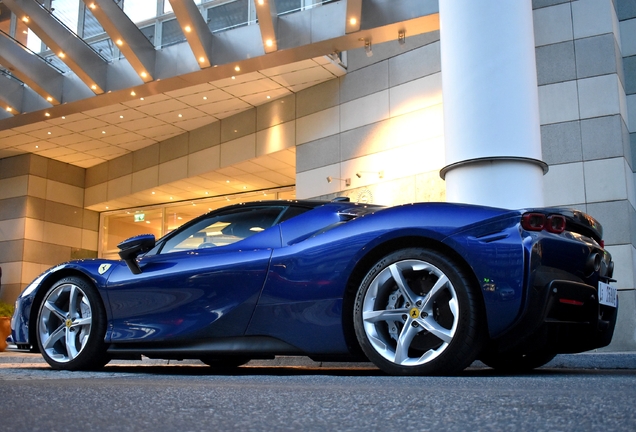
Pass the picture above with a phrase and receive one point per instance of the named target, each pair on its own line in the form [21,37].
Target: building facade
[370,127]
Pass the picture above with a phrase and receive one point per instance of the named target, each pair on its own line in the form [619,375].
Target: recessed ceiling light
[48,133]
[63,117]
[61,54]
[9,109]
[188,29]
[269,42]
[268,97]
[233,77]
[141,98]
[121,116]
[37,146]
[180,115]
[237,68]
[353,21]
[205,98]
[94,87]
[132,93]
[119,42]
[47,114]
[143,74]
[201,59]
[103,132]
[50,99]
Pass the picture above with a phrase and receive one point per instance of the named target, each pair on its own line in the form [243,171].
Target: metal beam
[353,16]
[137,49]
[73,51]
[195,29]
[32,70]
[297,41]
[267,20]
[11,95]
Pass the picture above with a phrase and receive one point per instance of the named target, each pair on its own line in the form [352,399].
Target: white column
[491,106]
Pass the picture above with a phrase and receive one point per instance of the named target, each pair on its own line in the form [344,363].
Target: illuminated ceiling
[99,110]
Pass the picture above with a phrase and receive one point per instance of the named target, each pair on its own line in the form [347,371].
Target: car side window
[223,229]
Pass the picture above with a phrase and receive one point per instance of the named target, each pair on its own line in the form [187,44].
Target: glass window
[67,11]
[149,32]
[119,227]
[229,15]
[223,229]
[171,33]
[105,48]
[285,6]
[92,27]
[140,10]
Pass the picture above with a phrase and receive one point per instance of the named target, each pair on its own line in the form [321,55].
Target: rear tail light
[539,222]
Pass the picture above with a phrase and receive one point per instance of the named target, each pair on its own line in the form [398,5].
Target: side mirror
[131,248]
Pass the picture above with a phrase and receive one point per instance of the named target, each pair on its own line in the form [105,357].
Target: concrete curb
[592,360]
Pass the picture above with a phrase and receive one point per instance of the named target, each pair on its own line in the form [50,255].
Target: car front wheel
[416,314]
[71,325]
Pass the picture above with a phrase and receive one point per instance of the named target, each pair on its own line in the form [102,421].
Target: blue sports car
[416,289]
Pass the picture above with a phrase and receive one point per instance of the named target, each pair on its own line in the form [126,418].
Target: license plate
[607,295]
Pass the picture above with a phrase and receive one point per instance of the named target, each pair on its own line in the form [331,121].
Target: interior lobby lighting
[269,42]
[119,42]
[261,2]
[49,98]
[353,21]
[92,6]
[25,19]
[237,68]
[401,37]
[368,48]
[201,59]
[61,55]
[143,74]
[132,93]
[47,114]
[9,109]
[94,87]
[347,180]
[188,28]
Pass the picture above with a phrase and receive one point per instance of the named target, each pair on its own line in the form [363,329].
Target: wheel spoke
[434,328]
[383,315]
[71,349]
[401,283]
[430,297]
[80,322]
[72,301]
[54,337]
[59,313]
[404,342]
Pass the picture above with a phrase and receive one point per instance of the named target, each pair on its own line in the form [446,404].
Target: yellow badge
[415,312]
[103,268]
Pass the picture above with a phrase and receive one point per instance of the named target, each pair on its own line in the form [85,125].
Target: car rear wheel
[71,325]
[416,314]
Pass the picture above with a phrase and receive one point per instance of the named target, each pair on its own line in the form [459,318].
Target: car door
[200,282]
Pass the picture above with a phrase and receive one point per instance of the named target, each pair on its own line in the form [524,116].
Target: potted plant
[6,311]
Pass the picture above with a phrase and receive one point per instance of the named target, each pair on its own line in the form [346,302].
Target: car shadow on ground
[203,370]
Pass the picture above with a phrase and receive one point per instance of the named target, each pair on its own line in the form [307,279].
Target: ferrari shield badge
[103,268]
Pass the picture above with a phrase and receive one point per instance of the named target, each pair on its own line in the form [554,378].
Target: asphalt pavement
[588,360]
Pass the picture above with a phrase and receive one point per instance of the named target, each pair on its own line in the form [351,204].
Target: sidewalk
[591,360]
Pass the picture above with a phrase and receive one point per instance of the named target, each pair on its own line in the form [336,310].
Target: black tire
[71,325]
[222,363]
[517,363]
[435,317]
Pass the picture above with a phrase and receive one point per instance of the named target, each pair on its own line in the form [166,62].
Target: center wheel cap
[414,313]
[68,323]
